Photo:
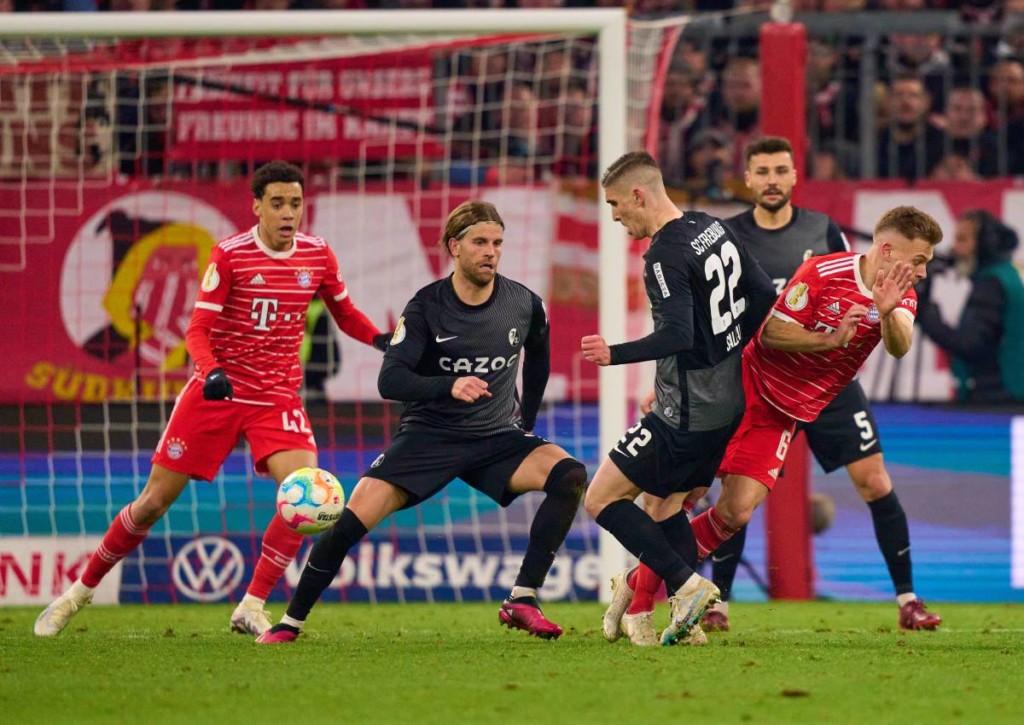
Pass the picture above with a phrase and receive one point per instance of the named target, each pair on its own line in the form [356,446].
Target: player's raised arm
[897,321]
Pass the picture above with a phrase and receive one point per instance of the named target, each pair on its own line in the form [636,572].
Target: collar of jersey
[285,254]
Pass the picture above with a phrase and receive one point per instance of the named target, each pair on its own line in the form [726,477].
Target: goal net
[125,152]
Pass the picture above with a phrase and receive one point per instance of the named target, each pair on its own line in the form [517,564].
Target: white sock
[297,623]
[523,592]
[251,602]
[691,582]
[902,599]
[80,590]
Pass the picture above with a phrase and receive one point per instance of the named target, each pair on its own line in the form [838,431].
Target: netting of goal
[126,143]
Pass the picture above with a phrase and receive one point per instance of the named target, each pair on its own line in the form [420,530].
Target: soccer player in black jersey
[781,236]
[453,359]
[707,297]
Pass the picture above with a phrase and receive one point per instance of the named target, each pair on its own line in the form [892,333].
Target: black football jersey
[780,251]
[695,262]
[440,336]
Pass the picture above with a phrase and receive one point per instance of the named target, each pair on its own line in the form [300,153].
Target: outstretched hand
[596,350]
[889,287]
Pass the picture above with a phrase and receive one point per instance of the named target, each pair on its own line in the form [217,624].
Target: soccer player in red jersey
[830,317]
[244,336]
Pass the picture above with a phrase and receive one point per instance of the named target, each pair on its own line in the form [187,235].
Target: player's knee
[567,479]
[149,507]
[734,516]
[873,485]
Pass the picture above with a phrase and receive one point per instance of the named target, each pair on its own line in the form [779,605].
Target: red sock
[710,530]
[280,545]
[120,540]
[645,588]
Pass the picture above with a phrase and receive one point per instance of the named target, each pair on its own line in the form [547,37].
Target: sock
[902,599]
[280,545]
[522,592]
[645,540]
[893,537]
[324,561]
[554,517]
[120,540]
[710,530]
[289,622]
[645,589]
[726,560]
[677,530]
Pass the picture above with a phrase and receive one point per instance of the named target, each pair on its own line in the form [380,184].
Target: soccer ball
[310,500]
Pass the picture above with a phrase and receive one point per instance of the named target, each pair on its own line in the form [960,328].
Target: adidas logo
[773,472]
[834,308]
[258,279]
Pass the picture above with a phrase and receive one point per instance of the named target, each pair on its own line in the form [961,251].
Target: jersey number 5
[724,270]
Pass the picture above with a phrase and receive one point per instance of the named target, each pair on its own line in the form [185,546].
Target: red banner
[366,107]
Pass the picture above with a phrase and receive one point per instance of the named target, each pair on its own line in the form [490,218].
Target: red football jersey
[261,297]
[820,293]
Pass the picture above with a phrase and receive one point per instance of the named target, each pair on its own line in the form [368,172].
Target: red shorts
[758,447]
[201,433]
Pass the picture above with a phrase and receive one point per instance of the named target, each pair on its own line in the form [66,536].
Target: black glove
[217,385]
[381,341]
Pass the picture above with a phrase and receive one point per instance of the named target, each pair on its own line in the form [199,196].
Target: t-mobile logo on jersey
[264,310]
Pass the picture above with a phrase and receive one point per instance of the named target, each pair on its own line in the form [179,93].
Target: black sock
[324,561]
[725,560]
[645,540]
[893,536]
[552,522]
[678,532]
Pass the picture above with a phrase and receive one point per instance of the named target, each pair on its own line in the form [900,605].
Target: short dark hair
[275,172]
[768,145]
[628,163]
[466,215]
[912,223]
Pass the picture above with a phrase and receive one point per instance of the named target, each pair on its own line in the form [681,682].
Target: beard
[775,205]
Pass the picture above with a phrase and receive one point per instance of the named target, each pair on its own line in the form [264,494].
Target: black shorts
[662,460]
[421,461]
[845,431]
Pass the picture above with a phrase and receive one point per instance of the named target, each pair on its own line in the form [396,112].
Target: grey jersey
[781,251]
[441,337]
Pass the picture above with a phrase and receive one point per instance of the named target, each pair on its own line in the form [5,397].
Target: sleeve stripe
[209,306]
[343,295]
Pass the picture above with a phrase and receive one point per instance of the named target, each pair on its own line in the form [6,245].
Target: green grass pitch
[816,662]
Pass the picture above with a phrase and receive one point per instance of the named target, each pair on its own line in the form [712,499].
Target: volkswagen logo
[208,569]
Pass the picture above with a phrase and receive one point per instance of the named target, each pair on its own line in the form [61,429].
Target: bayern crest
[304,278]
[176,448]
[872,315]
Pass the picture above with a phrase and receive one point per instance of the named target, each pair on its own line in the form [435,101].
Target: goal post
[95,415]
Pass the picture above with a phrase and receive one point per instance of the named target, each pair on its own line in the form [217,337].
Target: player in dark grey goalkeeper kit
[781,237]
[453,359]
[707,297]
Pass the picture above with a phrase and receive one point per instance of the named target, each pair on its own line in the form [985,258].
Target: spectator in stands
[576,150]
[922,55]
[833,111]
[1006,92]
[910,147]
[987,343]
[954,167]
[683,114]
[708,166]
[967,132]
[738,115]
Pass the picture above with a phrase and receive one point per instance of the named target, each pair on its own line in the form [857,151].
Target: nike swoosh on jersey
[865,446]
[720,559]
[444,339]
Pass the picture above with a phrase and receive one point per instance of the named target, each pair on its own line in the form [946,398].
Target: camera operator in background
[987,343]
